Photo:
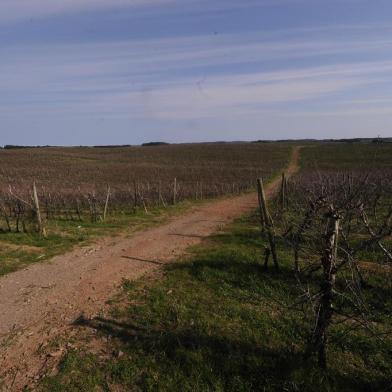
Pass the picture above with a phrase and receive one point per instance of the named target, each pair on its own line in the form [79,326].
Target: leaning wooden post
[159,193]
[40,225]
[268,222]
[286,192]
[105,210]
[175,191]
[141,197]
[283,191]
[161,199]
[262,217]
[135,195]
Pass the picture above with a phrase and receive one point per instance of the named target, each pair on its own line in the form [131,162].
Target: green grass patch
[18,250]
[219,322]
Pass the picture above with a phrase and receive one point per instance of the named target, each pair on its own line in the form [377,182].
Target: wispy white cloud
[200,77]
[70,90]
[146,63]
[11,10]
[15,10]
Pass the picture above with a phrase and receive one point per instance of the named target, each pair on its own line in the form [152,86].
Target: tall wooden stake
[175,191]
[269,224]
[262,217]
[286,192]
[143,202]
[160,197]
[105,210]
[159,193]
[40,225]
[135,195]
[283,191]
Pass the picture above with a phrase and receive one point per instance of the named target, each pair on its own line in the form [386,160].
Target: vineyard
[83,183]
[195,196]
[335,221]
[69,194]
[294,296]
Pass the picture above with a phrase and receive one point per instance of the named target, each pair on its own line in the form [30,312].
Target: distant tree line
[152,144]
[18,147]
[15,147]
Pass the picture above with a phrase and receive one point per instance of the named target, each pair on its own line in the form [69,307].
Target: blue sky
[92,72]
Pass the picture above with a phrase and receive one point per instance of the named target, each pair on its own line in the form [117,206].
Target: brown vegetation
[86,183]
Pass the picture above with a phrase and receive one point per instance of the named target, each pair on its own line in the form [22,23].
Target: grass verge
[216,322]
[18,250]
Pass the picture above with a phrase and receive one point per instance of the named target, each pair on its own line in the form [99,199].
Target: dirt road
[39,303]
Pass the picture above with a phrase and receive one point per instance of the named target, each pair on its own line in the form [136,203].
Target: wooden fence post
[135,195]
[262,217]
[105,210]
[141,198]
[159,193]
[269,224]
[175,191]
[286,199]
[283,191]
[40,225]
[161,199]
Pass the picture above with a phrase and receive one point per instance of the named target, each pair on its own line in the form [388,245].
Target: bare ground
[40,303]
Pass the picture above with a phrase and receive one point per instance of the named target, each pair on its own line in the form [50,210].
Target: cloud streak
[95,87]
[13,10]
[18,10]
[308,74]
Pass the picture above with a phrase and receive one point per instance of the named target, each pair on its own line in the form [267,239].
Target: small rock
[57,353]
